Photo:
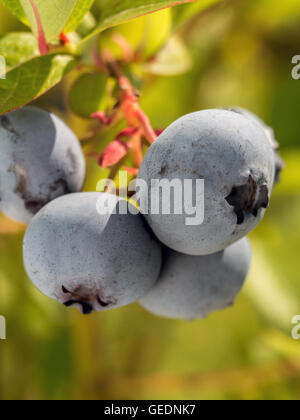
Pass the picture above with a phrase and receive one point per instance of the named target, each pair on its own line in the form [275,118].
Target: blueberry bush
[163,90]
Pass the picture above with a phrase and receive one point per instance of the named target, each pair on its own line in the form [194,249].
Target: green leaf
[153,38]
[80,10]
[132,32]
[55,15]
[88,94]
[87,24]
[15,7]
[115,12]
[141,34]
[17,47]
[31,79]
[174,59]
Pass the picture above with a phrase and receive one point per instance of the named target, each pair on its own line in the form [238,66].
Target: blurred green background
[240,54]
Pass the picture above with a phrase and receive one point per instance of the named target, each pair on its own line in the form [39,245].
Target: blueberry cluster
[205,266]
[97,261]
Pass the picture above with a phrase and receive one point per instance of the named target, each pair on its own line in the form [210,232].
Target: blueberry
[279,163]
[91,260]
[40,159]
[192,287]
[233,156]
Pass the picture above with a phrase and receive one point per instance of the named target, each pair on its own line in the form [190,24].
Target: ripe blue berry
[279,163]
[233,156]
[40,159]
[192,287]
[92,261]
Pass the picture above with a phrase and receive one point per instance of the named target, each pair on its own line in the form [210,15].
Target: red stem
[145,123]
[43,46]
[136,149]
[129,102]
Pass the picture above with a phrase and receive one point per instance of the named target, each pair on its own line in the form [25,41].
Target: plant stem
[129,102]
[136,149]
[43,45]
